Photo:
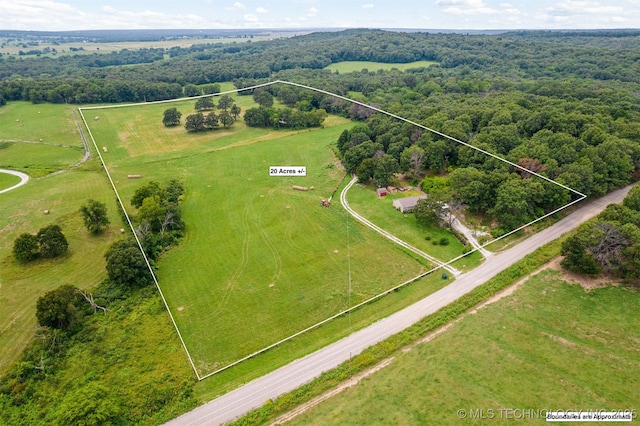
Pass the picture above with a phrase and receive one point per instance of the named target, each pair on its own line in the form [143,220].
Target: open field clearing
[260,261]
[37,159]
[355,66]
[511,354]
[380,210]
[24,121]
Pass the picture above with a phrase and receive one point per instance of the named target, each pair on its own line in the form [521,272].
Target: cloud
[477,7]
[251,18]
[313,11]
[51,15]
[367,6]
[579,7]
[238,5]
[261,10]
[589,14]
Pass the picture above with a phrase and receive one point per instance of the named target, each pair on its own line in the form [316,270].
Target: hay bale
[40,140]
[46,212]
[311,188]
[122,230]
[17,119]
[300,188]
[104,149]
[134,176]
[96,118]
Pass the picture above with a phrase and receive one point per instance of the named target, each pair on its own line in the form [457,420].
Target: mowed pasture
[22,210]
[357,66]
[550,345]
[260,261]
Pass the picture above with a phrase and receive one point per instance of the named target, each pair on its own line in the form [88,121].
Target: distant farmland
[355,66]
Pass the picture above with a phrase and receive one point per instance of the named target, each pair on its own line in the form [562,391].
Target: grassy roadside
[371,356]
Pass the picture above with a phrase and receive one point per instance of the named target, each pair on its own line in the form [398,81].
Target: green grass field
[550,345]
[260,261]
[37,159]
[7,180]
[24,121]
[21,210]
[380,210]
[356,66]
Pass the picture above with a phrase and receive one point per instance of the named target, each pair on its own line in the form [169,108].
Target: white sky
[59,15]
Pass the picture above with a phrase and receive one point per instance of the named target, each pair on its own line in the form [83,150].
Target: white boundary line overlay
[342,195]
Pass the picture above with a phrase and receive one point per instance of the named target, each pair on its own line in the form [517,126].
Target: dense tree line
[102,78]
[577,132]
[610,243]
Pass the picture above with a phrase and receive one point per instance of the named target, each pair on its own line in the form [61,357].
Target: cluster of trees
[48,243]
[283,118]
[610,243]
[159,225]
[198,122]
[158,221]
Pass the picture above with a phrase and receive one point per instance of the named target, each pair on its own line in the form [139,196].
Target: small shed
[405,205]
[382,192]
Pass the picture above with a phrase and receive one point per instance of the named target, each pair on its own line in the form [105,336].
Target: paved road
[254,394]
[23,179]
[368,223]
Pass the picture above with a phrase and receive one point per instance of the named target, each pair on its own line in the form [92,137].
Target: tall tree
[263,98]
[235,111]
[62,308]
[226,119]
[94,215]
[195,122]
[225,102]
[126,265]
[25,248]
[52,241]
[205,103]
[171,117]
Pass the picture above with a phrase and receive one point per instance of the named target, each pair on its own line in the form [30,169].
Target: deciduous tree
[126,265]
[52,241]
[62,308]
[25,248]
[171,117]
[94,215]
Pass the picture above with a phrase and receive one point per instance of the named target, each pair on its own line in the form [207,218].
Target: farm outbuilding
[382,192]
[405,205]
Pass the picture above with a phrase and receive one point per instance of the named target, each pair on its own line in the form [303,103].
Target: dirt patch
[351,382]
[586,282]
